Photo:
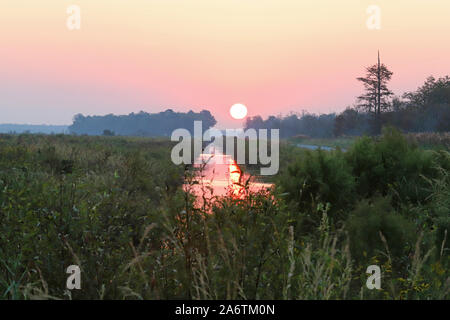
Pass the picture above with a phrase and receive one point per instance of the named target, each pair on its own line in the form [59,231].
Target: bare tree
[375,99]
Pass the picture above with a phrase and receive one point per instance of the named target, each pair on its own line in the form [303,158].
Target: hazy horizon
[273,56]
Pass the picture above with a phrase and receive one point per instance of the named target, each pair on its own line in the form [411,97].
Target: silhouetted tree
[375,99]
[430,104]
[431,92]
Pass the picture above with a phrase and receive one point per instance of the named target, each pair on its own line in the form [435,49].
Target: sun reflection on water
[219,175]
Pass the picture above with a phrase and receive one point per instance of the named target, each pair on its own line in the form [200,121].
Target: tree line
[425,110]
[141,124]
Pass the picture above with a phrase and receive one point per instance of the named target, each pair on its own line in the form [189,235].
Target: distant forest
[140,124]
[31,128]
[425,110]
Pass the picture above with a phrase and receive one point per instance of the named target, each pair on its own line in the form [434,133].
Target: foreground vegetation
[115,206]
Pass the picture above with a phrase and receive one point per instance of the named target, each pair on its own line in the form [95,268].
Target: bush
[318,177]
[390,166]
[375,229]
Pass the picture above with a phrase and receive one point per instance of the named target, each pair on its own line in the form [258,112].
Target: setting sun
[238,111]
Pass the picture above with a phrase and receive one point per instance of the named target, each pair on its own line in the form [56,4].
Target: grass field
[115,206]
[342,142]
[424,140]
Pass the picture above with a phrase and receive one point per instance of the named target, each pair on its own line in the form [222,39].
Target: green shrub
[374,221]
[390,166]
[318,177]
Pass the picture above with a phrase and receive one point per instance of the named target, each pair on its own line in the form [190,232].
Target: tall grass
[116,207]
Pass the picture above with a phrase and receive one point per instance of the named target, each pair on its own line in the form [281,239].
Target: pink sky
[274,56]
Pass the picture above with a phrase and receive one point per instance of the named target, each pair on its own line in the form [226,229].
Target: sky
[274,56]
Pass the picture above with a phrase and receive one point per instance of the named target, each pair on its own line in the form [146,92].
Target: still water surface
[220,175]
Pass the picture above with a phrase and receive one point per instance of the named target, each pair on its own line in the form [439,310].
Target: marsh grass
[116,207]
[435,140]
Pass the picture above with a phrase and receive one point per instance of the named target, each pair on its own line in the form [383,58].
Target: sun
[238,111]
